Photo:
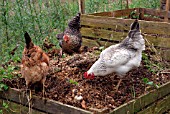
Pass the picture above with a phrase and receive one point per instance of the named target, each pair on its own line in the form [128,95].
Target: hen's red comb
[91,76]
[85,75]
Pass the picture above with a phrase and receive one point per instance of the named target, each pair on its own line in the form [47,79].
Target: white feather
[120,58]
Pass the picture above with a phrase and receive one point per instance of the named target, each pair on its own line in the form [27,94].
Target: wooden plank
[102,22]
[124,13]
[158,41]
[148,27]
[117,13]
[167,10]
[145,100]
[82,6]
[153,12]
[130,107]
[158,107]
[14,108]
[127,12]
[104,34]
[107,14]
[93,43]
[165,54]
[41,104]
[163,4]
[112,35]
[89,42]
[149,18]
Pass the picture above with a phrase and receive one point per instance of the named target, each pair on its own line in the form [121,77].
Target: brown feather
[35,63]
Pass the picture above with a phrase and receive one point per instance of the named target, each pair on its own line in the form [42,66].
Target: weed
[152,66]
[4,107]
[133,92]
[3,86]
[150,83]
[64,55]
[6,73]
[73,82]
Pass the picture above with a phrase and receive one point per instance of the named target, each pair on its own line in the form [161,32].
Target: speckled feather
[122,57]
[75,38]
[35,63]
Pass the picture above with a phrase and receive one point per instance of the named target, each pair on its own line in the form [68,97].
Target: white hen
[120,58]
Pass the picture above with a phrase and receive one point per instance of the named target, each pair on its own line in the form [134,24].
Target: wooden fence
[103,29]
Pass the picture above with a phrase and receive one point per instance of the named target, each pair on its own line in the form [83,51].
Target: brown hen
[70,40]
[35,63]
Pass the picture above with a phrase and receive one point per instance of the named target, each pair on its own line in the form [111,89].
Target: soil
[65,81]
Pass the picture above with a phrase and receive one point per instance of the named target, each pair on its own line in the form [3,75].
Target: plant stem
[32,17]
[20,14]
[38,18]
[5,16]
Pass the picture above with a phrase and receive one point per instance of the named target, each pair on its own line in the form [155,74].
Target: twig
[13,51]
[165,72]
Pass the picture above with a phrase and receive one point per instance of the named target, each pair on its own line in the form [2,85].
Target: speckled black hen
[70,40]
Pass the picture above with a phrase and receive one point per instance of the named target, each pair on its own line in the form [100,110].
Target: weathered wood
[145,100]
[127,12]
[112,35]
[163,5]
[14,108]
[107,14]
[165,54]
[158,107]
[100,22]
[89,42]
[117,13]
[124,13]
[98,43]
[148,27]
[51,106]
[104,34]
[150,18]
[157,13]
[167,10]
[41,104]
[81,6]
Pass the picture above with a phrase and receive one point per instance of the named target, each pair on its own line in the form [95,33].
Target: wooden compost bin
[103,29]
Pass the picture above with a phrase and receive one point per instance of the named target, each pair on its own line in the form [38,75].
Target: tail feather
[75,22]
[135,25]
[134,28]
[27,40]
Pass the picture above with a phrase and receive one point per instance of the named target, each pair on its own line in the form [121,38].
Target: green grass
[38,18]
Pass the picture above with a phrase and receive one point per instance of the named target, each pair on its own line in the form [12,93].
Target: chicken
[120,58]
[70,40]
[35,63]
